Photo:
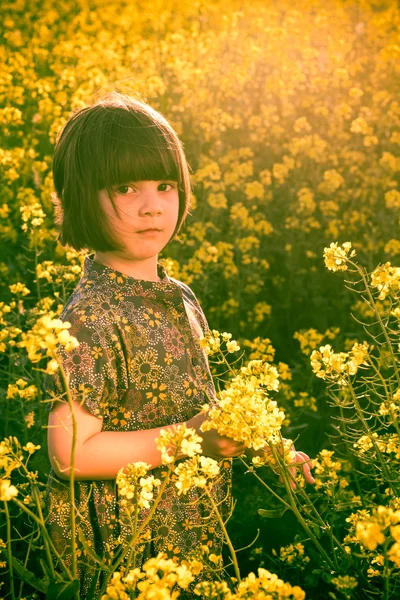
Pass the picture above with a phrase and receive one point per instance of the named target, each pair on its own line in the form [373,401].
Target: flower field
[290,117]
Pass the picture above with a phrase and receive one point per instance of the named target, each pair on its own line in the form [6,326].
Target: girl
[122,189]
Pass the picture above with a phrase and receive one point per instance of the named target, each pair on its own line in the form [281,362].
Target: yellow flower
[369,534]
[31,448]
[30,419]
[232,346]
[195,472]
[336,257]
[131,482]
[7,491]
[244,411]
[19,288]
[47,334]
[386,279]
[344,582]
[267,583]
[178,439]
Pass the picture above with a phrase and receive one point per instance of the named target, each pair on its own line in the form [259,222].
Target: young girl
[122,189]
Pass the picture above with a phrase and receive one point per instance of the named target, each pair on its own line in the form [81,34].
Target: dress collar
[94,269]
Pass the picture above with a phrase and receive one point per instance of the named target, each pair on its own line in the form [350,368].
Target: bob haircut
[115,141]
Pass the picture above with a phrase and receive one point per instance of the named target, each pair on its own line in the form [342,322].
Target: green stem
[371,437]
[129,546]
[9,551]
[36,264]
[228,539]
[254,473]
[46,544]
[378,316]
[45,534]
[133,552]
[298,515]
[392,414]
[71,472]
[385,573]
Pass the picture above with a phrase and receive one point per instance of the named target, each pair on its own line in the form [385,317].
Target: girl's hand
[214,445]
[301,458]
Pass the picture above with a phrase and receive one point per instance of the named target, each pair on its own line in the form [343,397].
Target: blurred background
[289,113]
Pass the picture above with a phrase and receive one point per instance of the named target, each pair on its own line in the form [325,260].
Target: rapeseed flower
[47,334]
[7,491]
[132,483]
[244,411]
[386,279]
[195,472]
[267,585]
[336,256]
[326,364]
[179,439]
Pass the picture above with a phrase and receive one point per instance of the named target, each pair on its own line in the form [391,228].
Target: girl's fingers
[304,459]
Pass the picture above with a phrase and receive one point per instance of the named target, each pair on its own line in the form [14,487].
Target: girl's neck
[145,269]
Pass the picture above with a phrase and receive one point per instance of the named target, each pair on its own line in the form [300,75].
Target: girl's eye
[121,189]
[172,186]
[124,189]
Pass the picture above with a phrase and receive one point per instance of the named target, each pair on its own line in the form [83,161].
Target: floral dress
[141,366]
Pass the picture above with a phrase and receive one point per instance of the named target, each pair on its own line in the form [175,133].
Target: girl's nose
[151,205]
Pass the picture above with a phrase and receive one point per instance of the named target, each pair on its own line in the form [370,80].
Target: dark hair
[115,141]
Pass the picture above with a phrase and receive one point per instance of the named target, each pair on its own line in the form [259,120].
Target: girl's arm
[101,454]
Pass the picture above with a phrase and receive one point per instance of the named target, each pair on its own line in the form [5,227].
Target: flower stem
[228,539]
[9,551]
[378,316]
[72,471]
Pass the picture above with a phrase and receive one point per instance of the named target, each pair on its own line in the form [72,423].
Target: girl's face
[143,205]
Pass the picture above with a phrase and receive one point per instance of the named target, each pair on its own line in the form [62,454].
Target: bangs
[130,150]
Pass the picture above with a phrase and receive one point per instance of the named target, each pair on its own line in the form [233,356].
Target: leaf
[62,590]
[28,576]
[93,586]
[272,514]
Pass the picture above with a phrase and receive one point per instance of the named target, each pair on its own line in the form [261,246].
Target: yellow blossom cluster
[267,585]
[386,279]
[345,583]
[10,455]
[32,216]
[391,407]
[331,478]
[19,288]
[260,349]
[310,339]
[8,333]
[293,554]
[332,366]
[336,256]
[158,578]
[195,472]
[56,273]
[21,389]
[7,491]
[371,529]
[42,337]
[244,411]
[132,484]
[286,452]
[388,443]
[212,341]
[178,440]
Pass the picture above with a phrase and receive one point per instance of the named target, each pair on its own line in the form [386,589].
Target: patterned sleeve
[90,369]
